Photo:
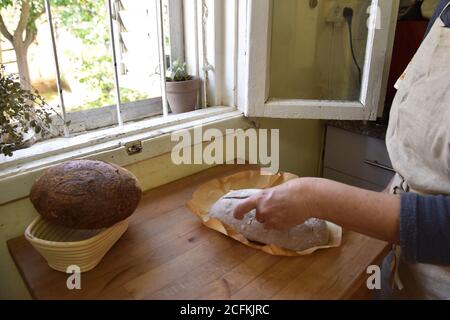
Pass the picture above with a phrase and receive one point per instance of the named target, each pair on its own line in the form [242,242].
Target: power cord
[348,15]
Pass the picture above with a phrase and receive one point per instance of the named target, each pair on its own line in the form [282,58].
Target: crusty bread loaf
[312,233]
[84,194]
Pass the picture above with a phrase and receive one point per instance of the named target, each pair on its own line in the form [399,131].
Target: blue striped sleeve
[425,229]
[445,14]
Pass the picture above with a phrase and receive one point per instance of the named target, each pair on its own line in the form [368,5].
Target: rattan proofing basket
[63,247]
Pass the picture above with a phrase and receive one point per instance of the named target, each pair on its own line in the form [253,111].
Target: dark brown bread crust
[85,194]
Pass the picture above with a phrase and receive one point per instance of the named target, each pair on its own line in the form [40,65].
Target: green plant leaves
[178,72]
[20,110]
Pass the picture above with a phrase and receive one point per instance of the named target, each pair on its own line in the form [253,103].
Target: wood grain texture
[167,254]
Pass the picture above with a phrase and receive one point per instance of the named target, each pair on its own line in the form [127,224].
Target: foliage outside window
[21,112]
[84,47]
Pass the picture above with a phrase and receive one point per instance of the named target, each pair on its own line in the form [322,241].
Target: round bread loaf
[85,194]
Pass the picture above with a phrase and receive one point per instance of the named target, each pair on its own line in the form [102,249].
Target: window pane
[35,56]
[84,51]
[136,31]
[311,51]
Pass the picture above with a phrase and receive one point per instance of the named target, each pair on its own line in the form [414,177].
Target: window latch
[134,147]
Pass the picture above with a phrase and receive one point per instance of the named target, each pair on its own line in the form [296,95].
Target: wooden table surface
[168,254]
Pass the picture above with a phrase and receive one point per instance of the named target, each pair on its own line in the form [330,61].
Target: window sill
[18,172]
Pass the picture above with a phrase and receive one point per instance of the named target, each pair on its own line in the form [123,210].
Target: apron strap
[398,187]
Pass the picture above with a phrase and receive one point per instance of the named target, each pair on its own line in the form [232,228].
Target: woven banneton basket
[63,247]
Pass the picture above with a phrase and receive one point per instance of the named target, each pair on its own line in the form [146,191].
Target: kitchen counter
[168,254]
[365,128]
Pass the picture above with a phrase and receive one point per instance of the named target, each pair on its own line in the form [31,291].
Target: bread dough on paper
[312,233]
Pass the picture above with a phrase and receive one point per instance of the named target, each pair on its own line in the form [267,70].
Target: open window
[110,58]
[107,55]
[317,59]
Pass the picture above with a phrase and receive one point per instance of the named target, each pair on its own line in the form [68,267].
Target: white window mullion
[242,56]
[217,26]
[257,61]
[176,21]
[114,56]
[201,51]
[162,56]
[57,69]
[227,53]
[120,45]
[191,38]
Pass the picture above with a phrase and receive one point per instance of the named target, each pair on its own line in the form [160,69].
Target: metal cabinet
[357,160]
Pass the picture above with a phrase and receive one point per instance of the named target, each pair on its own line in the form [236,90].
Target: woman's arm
[420,224]
[371,213]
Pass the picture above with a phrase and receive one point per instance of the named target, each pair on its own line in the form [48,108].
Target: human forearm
[292,203]
[371,213]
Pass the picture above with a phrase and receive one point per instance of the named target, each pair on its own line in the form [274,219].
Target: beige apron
[418,140]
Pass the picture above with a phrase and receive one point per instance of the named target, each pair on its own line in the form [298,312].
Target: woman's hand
[375,214]
[281,207]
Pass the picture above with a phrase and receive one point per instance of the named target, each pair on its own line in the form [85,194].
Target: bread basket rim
[30,237]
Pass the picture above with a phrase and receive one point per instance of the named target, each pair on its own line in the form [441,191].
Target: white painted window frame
[254,100]
[103,117]
[111,144]
[211,48]
[222,90]
[98,141]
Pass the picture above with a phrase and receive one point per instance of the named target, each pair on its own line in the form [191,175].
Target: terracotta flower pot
[182,95]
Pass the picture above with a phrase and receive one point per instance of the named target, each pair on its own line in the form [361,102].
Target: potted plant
[182,88]
[23,114]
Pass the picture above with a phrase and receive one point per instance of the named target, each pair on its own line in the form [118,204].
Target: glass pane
[85,54]
[35,56]
[312,56]
[166,30]
[136,31]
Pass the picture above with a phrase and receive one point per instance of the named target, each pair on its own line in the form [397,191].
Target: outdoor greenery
[26,28]
[20,111]
[90,64]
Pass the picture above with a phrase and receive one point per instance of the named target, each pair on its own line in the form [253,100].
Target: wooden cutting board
[168,254]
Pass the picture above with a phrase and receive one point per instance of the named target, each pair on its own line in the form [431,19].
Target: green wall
[310,56]
[300,144]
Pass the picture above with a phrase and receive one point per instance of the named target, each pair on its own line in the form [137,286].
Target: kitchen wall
[310,53]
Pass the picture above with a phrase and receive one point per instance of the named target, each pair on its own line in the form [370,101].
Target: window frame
[110,144]
[221,106]
[256,101]
[104,116]
[211,47]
